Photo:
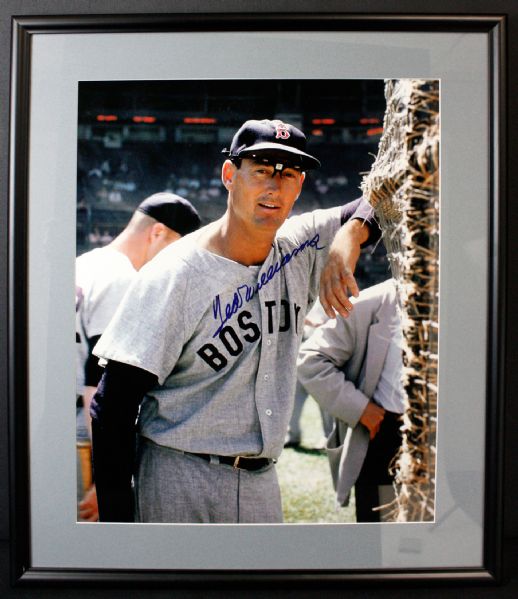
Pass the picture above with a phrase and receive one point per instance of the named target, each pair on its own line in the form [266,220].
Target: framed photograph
[81,86]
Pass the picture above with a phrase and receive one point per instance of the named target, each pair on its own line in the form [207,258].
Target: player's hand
[88,510]
[371,418]
[337,282]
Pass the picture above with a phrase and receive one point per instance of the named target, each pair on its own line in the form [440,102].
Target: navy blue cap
[256,139]
[173,211]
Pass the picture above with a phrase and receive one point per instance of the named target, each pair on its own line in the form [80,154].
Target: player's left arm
[337,282]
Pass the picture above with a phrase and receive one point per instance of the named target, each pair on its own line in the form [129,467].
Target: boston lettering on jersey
[244,293]
[217,355]
[229,339]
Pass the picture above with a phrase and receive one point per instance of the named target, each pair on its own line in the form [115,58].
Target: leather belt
[239,462]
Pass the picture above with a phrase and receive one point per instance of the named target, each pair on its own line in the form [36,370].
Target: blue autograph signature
[244,293]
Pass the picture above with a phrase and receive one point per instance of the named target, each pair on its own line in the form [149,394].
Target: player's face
[259,195]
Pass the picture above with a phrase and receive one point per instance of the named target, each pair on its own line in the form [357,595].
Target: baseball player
[102,277]
[204,345]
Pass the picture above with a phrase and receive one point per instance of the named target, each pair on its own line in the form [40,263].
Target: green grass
[304,477]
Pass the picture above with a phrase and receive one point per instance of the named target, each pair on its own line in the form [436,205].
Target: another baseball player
[103,276]
[206,340]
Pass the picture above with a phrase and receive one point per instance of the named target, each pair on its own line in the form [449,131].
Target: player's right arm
[114,411]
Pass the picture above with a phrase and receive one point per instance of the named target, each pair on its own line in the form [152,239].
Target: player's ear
[301,181]
[157,230]
[161,232]
[228,170]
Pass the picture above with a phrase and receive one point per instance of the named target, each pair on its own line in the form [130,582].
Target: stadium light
[369,121]
[144,119]
[199,120]
[323,121]
[107,118]
[375,131]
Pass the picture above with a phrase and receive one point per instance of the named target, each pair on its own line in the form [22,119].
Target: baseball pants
[172,486]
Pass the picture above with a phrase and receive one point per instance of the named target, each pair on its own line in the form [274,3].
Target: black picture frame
[24,28]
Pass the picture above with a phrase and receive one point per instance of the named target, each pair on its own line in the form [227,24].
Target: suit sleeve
[320,364]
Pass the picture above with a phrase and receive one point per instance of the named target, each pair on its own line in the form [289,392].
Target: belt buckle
[236,462]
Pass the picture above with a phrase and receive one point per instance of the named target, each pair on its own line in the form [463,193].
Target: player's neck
[249,247]
[125,244]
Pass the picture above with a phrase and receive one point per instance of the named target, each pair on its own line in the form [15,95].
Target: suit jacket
[340,365]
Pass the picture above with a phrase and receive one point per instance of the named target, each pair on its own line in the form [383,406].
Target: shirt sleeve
[114,412]
[360,209]
[156,301]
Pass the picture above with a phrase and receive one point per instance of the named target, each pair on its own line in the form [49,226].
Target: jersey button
[268,412]
[266,377]
[269,342]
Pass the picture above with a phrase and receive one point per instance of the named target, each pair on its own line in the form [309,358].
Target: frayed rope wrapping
[403,189]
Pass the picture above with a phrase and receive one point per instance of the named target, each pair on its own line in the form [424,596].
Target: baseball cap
[262,138]
[173,211]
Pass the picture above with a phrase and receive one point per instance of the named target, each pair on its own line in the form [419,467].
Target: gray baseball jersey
[222,338]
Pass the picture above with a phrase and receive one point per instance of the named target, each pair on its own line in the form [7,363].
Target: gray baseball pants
[172,486]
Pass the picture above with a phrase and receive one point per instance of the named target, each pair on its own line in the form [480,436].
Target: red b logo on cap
[281,130]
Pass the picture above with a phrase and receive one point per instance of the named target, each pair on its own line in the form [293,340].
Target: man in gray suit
[353,367]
